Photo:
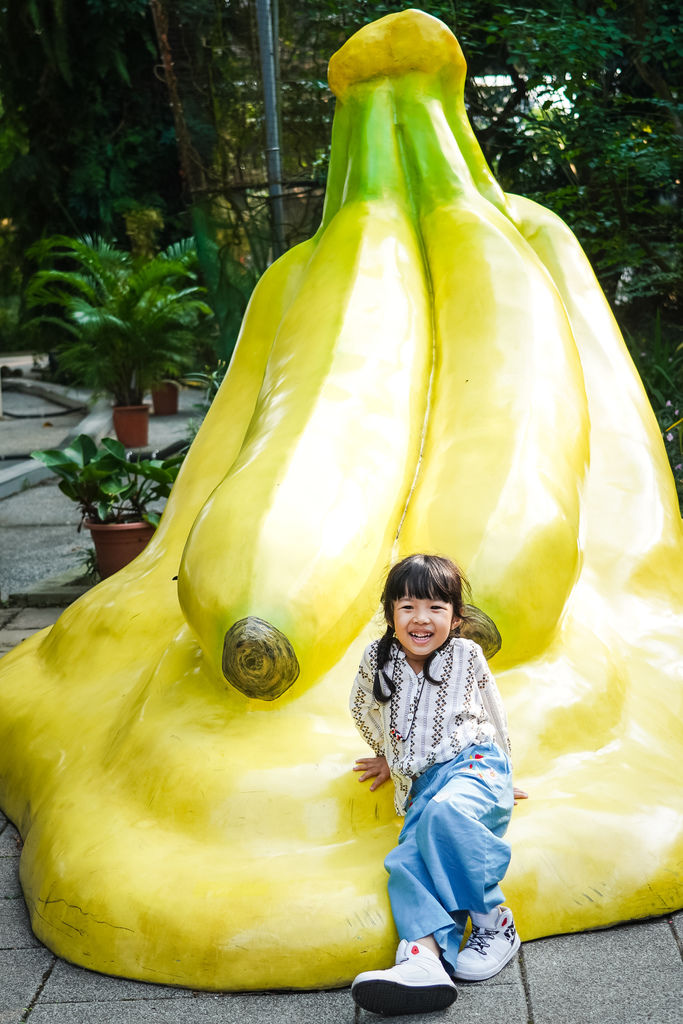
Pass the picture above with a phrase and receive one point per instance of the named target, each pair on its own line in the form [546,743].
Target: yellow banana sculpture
[293,580]
[436,369]
[509,413]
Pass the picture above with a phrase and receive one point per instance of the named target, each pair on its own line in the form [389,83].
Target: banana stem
[259,660]
[454,108]
[371,165]
[478,626]
[438,169]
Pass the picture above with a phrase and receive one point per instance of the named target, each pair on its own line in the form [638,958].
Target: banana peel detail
[435,369]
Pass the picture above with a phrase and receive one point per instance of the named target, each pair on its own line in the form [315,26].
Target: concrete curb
[56,592]
[56,393]
[97,423]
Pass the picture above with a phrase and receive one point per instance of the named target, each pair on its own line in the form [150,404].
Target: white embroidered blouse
[424,723]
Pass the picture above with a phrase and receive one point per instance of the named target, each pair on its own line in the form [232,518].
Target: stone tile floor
[631,974]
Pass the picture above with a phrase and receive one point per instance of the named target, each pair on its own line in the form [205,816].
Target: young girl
[426,703]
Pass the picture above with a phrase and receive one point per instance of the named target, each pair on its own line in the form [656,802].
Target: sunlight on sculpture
[434,370]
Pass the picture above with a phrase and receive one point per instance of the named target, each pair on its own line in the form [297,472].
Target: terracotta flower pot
[117,544]
[131,424]
[165,399]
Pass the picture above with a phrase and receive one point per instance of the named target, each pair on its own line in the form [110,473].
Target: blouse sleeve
[364,708]
[492,702]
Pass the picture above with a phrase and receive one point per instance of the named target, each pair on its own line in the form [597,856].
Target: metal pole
[273,165]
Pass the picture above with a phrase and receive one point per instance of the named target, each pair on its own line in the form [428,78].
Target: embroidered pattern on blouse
[364,708]
[425,723]
[439,714]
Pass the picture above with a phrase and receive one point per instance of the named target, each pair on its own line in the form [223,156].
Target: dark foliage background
[112,106]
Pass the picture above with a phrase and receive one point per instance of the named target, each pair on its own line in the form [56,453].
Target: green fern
[125,326]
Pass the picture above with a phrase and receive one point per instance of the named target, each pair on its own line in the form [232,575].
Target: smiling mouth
[421,636]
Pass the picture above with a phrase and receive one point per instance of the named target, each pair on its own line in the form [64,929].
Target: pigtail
[428,664]
[383,651]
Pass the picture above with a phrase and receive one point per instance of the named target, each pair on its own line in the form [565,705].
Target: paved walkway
[627,975]
[40,539]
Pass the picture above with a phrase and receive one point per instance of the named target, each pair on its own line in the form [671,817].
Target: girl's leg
[451,856]
[416,905]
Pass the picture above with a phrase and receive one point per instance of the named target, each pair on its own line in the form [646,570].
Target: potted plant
[116,495]
[165,395]
[128,323]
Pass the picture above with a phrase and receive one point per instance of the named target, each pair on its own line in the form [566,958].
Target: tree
[85,129]
[590,125]
[575,104]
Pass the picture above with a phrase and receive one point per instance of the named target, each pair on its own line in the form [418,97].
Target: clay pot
[131,424]
[117,544]
[165,399]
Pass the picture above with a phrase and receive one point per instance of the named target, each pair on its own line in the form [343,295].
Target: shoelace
[478,940]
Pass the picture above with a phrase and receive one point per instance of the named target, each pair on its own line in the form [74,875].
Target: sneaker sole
[466,975]
[392,999]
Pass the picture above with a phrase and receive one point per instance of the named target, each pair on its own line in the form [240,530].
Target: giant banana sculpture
[435,369]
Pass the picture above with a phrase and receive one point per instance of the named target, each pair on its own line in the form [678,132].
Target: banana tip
[478,626]
[258,660]
[394,45]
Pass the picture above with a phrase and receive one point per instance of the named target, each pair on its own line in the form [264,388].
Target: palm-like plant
[128,323]
[106,485]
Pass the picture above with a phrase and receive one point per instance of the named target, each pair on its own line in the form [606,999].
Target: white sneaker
[493,943]
[417,983]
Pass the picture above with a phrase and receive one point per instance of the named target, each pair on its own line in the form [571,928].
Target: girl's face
[421,626]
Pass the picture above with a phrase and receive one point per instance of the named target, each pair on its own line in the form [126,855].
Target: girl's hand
[373,768]
[519,794]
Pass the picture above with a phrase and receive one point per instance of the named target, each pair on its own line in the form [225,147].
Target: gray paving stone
[15,927]
[42,506]
[11,1017]
[631,973]
[36,618]
[486,1002]
[32,401]
[9,878]
[10,840]
[5,646]
[230,1008]
[60,547]
[56,591]
[49,430]
[495,1002]
[21,973]
[12,636]
[69,983]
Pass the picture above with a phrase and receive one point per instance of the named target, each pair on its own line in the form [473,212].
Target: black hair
[422,577]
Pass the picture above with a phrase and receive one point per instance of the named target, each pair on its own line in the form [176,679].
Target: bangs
[421,580]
